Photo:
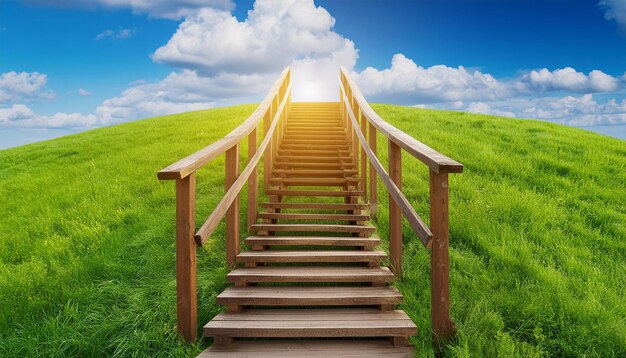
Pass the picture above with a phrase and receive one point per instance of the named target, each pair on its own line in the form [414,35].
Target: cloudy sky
[80,65]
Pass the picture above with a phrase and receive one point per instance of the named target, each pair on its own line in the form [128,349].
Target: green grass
[537,222]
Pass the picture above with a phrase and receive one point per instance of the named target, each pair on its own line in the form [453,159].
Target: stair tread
[350,322]
[311,348]
[328,206]
[309,296]
[289,192]
[310,274]
[300,216]
[313,227]
[310,256]
[313,240]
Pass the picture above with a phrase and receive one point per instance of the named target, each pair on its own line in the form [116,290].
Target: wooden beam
[395,214]
[232,214]
[253,181]
[186,298]
[373,180]
[443,327]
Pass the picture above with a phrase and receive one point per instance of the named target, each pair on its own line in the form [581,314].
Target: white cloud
[275,34]
[23,87]
[168,9]
[615,10]
[568,79]
[121,34]
[484,108]
[406,82]
[19,115]
[84,92]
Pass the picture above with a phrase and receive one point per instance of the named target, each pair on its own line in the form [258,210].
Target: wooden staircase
[318,260]
[312,281]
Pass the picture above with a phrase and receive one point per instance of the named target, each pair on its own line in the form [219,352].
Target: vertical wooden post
[363,121]
[373,183]
[395,214]
[232,214]
[267,160]
[443,327]
[186,298]
[253,181]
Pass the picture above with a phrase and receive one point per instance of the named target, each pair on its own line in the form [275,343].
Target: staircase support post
[442,325]
[395,214]
[232,214]
[373,180]
[186,298]
[253,181]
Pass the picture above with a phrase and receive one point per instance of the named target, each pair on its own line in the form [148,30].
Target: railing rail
[362,122]
[273,111]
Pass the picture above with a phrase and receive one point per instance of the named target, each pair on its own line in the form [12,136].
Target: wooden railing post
[232,215]
[363,122]
[268,157]
[443,327]
[253,181]
[373,180]
[186,299]
[395,214]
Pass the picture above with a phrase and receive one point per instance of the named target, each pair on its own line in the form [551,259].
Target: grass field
[538,237]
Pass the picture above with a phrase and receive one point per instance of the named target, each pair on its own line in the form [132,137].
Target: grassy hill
[538,237]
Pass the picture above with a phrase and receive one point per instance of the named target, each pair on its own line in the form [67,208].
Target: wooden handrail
[272,111]
[218,213]
[437,162]
[356,114]
[193,162]
[417,224]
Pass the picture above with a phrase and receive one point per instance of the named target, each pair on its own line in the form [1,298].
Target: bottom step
[323,348]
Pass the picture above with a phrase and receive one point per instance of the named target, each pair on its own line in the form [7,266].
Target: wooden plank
[314,206]
[312,348]
[314,228]
[343,193]
[372,174]
[310,274]
[253,181]
[232,214]
[301,216]
[186,297]
[443,326]
[329,182]
[310,325]
[309,296]
[325,173]
[311,256]
[312,241]
[395,214]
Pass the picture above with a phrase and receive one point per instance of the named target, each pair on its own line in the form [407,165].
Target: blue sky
[65,69]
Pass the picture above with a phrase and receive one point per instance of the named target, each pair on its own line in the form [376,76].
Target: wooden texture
[373,181]
[443,327]
[309,296]
[395,214]
[314,228]
[300,216]
[253,181]
[311,348]
[186,298]
[313,241]
[311,323]
[310,274]
[232,213]
[315,206]
[311,256]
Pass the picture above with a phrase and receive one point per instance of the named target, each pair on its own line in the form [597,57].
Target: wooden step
[336,193]
[289,256]
[314,159]
[309,296]
[310,274]
[304,146]
[308,152]
[357,229]
[312,241]
[316,141]
[287,323]
[330,182]
[338,173]
[302,216]
[309,348]
[313,165]
[314,206]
